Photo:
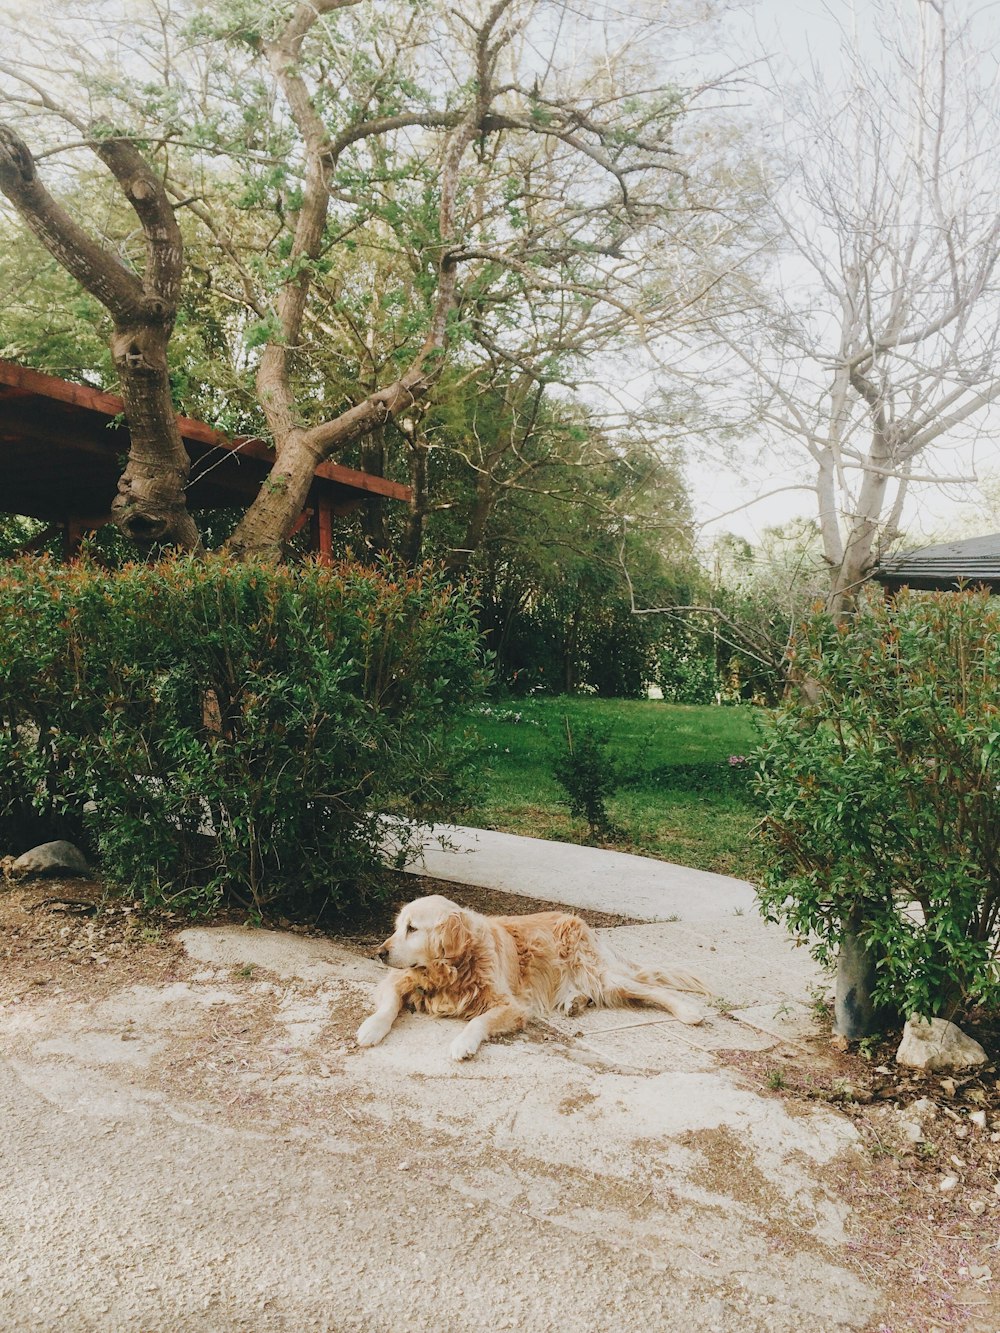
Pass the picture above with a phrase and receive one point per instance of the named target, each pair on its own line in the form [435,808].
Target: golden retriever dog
[499,971]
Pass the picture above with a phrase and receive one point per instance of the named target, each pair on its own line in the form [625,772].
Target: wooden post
[324,530]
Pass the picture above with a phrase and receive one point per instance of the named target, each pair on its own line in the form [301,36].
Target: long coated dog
[499,971]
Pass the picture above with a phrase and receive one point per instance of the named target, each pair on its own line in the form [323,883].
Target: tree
[311,157]
[150,504]
[555,606]
[880,335]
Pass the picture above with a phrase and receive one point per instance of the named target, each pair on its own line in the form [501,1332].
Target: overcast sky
[795,33]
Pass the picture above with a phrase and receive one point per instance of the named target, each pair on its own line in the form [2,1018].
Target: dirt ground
[904,1222]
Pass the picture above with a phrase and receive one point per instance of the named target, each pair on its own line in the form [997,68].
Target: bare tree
[880,336]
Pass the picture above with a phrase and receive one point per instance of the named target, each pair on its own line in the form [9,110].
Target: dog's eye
[410,929]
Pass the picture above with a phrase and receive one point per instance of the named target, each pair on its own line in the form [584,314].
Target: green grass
[692,816]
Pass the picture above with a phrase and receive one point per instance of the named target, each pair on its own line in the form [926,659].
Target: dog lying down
[500,971]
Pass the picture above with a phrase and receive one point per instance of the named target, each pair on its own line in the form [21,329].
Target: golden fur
[499,971]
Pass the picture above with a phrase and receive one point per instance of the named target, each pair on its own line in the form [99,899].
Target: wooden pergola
[61,451]
[973,564]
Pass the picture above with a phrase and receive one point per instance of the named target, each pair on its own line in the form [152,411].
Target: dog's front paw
[464,1046]
[687,1013]
[372,1030]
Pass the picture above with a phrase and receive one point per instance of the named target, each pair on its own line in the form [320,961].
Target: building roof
[62,447]
[975,563]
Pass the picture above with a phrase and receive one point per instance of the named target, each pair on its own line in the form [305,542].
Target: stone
[937,1044]
[912,1129]
[51,858]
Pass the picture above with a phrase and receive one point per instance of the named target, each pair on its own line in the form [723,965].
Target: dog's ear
[453,938]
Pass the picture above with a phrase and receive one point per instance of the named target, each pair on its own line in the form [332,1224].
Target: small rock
[978,1118]
[937,1044]
[977,1207]
[924,1106]
[912,1129]
[51,858]
[947,1183]
[961,1131]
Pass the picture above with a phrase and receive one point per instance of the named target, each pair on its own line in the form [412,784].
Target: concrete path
[211,1151]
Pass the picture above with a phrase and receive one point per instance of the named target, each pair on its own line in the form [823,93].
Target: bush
[685,669]
[238,728]
[589,776]
[883,793]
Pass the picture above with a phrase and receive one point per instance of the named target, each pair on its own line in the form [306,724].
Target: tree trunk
[151,504]
[265,526]
[458,561]
[855,1012]
[413,537]
[860,546]
[373,527]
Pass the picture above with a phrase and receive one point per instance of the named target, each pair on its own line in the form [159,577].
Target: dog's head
[429,932]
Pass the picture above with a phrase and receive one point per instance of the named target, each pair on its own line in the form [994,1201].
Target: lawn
[679,801]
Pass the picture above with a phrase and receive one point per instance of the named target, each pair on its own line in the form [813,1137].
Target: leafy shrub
[589,776]
[238,728]
[685,668]
[882,785]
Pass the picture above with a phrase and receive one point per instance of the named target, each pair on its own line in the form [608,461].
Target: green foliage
[880,779]
[589,775]
[239,729]
[685,668]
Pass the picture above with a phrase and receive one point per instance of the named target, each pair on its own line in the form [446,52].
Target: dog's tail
[676,978]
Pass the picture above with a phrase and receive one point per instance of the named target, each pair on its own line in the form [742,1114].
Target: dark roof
[62,446]
[975,562]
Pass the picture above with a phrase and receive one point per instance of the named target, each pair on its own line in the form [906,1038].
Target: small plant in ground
[589,776]
[867,1047]
[818,1003]
[776,1080]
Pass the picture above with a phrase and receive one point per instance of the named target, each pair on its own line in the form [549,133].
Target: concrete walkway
[210,1152]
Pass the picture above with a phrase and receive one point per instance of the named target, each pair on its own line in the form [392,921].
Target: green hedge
[881,779]
[214,728]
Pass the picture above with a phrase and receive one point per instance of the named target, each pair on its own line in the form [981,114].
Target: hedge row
[210,728]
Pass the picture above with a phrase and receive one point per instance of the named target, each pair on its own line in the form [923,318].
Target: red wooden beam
[33,382]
